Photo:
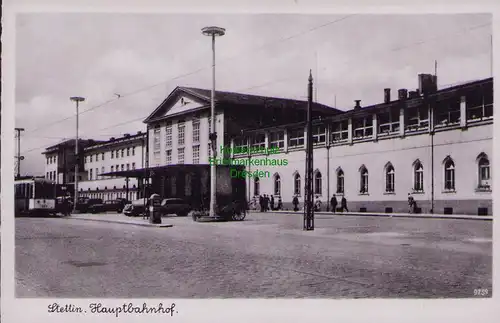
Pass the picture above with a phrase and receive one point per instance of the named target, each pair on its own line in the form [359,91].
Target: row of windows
[51,160]
[119,153]
[483,182]
[181,155]
[388,123]
[181,134]
[51,175]
[112,169]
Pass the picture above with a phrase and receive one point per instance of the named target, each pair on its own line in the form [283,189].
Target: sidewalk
[400,215]
[117,218]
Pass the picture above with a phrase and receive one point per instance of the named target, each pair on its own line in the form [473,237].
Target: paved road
[267,255]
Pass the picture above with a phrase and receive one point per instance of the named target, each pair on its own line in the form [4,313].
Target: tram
[36,196]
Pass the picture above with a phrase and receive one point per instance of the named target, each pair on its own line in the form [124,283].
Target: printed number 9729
[480,292]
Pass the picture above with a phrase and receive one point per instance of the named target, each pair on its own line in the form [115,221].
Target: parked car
[109,206]
[136,207]
[175,206]
[84,204]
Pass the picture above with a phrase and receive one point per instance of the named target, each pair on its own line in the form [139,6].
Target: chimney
[139,132]
[427,83]
[387,95]
[413,95]
[357,106]
[112,139]
[402,94]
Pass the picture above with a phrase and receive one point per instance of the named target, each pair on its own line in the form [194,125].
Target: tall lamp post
[76,99]
[308,203]
[213,31]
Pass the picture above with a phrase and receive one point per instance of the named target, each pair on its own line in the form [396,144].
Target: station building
[437,147]
[116,154]
[434,144]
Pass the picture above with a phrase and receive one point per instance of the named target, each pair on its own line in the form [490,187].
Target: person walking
[280,204]
[266,203]
[295,203]
[333,203]
[261,203]
[343,204]
[272,202]
[317,204]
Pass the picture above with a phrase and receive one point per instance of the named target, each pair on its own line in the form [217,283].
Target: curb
[396,215]
[124,222]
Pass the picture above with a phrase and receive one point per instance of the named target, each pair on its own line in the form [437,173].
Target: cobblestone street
[267,255]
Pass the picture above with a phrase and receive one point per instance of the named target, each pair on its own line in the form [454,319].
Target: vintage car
[84,203]
[174,206]
[136,207]
[108,206]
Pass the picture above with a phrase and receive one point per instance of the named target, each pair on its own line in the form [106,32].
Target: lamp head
[213,31]
[77,98]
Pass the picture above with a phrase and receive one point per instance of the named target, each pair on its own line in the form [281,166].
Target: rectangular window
[277,139]
[96,157]
[196,154]
[133,165]
[128,166]
[128,152]
[258,142]
[479,105]
[319,134]
[168,136]
[90,174]
[156,139]
[362,127]
[447,113]
[97,173]
[180,156]
[296,138]
[196,130]
[122,167]
[169,156]
[388,122]
[112,154]
[117,168]
[156,158]
[181,129]
[240,145]
[133,151]
[123,153]
[340,131]
[417,119]
[90,158]
[112,169]
[102,156]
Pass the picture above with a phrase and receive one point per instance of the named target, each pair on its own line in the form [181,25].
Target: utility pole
[308,203]
[19,157]
[77,100]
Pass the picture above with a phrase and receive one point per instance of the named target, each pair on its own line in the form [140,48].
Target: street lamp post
[213,31]
[76,99]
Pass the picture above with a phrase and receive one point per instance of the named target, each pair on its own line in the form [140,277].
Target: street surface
[267,255]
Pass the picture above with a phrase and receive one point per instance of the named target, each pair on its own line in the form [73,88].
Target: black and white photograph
[253,156]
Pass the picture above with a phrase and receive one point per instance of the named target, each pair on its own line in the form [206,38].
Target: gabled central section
[182,104]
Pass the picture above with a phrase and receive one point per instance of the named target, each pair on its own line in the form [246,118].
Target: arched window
[449,174]
[256,186]
[340,181]
[296,184]
[483,164]
[389,178]
[317,183]
[418,177]
[277,185]
[363,185]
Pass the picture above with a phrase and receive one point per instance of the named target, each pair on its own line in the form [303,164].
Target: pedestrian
[266,203]
[261,203]
[272,202]
[343,204]
[317,204]
[411,203]
[295,203]
[333,203]
[280,203]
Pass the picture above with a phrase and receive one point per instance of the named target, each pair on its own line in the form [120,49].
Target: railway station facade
[437,148]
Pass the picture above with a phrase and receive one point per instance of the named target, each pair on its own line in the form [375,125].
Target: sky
[143,57]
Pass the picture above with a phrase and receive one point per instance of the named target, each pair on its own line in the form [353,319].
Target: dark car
[175,206]
[84,204]
[109,206]
[136,207]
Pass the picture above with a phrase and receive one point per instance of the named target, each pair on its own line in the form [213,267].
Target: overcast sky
[98,55]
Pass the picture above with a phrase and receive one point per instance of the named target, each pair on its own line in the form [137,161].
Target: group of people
[317,204]
[267,202]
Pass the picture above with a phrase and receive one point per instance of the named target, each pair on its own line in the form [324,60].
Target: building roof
[71,143]
[233,99]
[161,170]
[115,141]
